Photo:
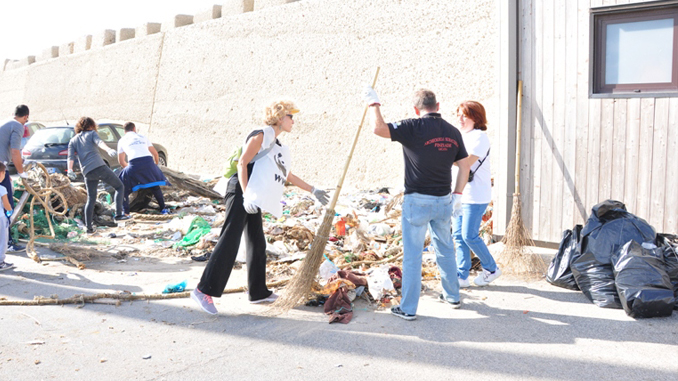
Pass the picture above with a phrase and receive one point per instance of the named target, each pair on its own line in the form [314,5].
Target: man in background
[11,132]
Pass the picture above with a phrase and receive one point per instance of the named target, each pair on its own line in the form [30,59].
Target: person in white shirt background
[476,196]
[140,170]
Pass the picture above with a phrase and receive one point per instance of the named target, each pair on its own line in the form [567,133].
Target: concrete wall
[200,88]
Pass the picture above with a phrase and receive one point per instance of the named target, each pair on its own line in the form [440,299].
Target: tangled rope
[50,198]
[152,217]
[118,297]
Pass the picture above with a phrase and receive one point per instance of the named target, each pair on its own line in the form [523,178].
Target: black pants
[157,193]
[7,183]
[221,262]
[92,179]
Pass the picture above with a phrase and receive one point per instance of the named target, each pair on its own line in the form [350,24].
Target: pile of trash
[363,255]
[618,261]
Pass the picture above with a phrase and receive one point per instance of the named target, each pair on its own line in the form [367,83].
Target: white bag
[221,186]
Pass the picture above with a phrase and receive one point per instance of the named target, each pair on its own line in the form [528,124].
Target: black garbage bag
[669,245]
[559,272]
[644,286]
[608,228]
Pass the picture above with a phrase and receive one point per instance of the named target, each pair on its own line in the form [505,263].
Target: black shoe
[6,266]
[123,217]
[202,258]
[455,305]
[15,247]
[91,230]
[399,313]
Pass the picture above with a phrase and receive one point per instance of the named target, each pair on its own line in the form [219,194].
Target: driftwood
[19,208]
[140,199]
[182,181]
[82,299]
[385,260]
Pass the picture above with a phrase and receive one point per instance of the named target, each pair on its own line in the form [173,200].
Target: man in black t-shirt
[430,147]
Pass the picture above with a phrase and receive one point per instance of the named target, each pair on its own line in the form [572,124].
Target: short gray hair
[425,99]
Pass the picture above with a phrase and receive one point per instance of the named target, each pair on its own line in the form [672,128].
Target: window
[635,49]
[106,134]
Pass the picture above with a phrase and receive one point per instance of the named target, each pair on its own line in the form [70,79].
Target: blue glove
[9,213]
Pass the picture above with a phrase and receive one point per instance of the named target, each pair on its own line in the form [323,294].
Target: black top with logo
[430,147]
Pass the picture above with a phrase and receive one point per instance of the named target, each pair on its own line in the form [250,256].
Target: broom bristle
[516,257]
[300,285]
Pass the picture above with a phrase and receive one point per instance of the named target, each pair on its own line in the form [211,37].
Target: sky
[27,27]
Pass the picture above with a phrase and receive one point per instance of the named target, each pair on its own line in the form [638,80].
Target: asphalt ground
[510,330]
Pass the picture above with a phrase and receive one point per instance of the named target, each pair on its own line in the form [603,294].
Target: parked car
[49,146]
[29,130]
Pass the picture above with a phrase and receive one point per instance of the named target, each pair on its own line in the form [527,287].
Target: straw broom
[516,258]
[300,285]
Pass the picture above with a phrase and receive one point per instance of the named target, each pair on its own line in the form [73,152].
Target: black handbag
[472,173]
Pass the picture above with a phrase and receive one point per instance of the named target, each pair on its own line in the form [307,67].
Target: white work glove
[70,174]
[456,205]
[23,175]
[250,207]
[370,96]
[111,152]
[321,195]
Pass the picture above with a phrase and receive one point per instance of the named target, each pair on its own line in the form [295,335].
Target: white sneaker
[486,277]
[270,299]
[464,283]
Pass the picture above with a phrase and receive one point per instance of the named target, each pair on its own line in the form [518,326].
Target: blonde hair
[277,110]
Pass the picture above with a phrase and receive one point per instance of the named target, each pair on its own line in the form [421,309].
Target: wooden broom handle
[350,155]
[518,136]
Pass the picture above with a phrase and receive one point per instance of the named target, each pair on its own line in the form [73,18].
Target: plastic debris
[199,227]
[172,288]
[379,282]
[327,269]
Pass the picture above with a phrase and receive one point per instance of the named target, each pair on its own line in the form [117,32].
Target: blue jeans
[7,183]
[420,212]
[466,238]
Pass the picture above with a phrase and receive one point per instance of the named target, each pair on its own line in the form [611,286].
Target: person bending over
[85,145]
[140,170]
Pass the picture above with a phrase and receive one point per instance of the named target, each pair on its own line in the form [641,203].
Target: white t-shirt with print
[267,182]
[479,191]
[134,145]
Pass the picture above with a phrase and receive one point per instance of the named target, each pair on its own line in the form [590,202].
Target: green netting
[61,229]
[198,228]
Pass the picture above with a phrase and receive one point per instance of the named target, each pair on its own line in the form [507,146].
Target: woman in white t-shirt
[475,198]
[263,169]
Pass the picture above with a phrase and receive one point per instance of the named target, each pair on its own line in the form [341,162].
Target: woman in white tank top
[256,186]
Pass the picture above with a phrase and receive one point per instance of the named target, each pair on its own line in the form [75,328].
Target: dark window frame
[603,16]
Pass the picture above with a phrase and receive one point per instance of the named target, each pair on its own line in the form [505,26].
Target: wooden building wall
[576,150]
